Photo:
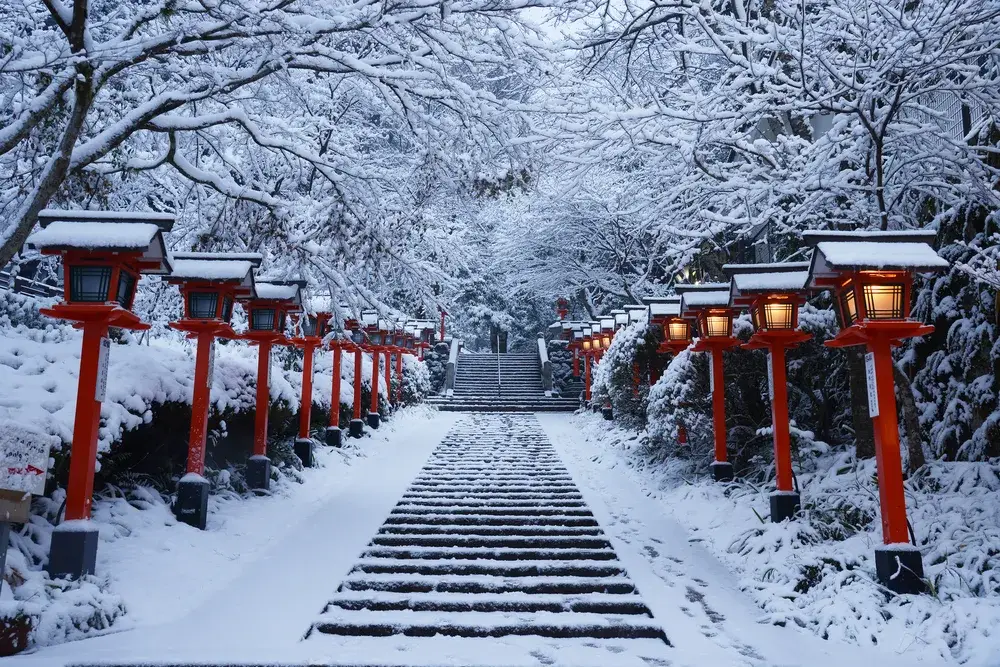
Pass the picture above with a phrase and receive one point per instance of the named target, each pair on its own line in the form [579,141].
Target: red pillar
[399,377]
[357,383]
[83,456]
[636,378]
[335,390]
[442,324]
[586,377]
[780,421]
[719,406]
[200,403]
[263,399]
[374,403]
[305,411]
[887,459]
[388,374]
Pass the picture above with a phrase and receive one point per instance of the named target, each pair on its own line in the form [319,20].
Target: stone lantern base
[374,419]
[304,450]
[900,568]
[784,505]
[722,472]
[356,428]
[191,506]
[334,437]
[259,473]
[73,552]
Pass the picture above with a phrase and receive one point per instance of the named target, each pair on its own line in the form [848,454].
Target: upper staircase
[512,382]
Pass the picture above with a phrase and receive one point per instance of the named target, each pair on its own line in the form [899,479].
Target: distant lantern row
[103,255]
[871,277]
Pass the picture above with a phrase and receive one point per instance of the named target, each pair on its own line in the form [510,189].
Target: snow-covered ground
[817,575]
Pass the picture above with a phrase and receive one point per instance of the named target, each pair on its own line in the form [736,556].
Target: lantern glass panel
[89,283]
[678,331]
[848,306]
[262,319]
[227,308]
[126,288]
[717,325]
[883,302]
[358,336]
[779,315]
[376,337]
[201,305]
[310,325]
[281,321]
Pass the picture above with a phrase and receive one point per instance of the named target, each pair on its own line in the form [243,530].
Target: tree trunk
[911,420]
[864,432]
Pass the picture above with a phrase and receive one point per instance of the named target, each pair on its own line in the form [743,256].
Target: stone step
[477,583]
[488,553]
[505,602]
[551,568]
[468,541]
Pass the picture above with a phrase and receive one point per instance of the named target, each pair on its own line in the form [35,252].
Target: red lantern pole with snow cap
[375,333]
[709,303]
[871,277]
[312,328]
[267,313]
[358,344]
[773,294]
[210,283]
[103,254]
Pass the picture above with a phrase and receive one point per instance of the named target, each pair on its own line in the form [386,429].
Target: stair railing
[546,365]
[449,374]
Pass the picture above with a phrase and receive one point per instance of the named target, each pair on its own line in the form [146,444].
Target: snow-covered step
[453,583]
[532,542]
[551,568]
[600,603]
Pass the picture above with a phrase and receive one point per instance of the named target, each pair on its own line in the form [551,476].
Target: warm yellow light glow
[848,306]
[586,345]
[779,315]
[677,330]
[717,325]
[883,302]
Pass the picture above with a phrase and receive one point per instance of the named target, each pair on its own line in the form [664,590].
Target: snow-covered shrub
[436,358]
[957,368]
[416,380]
[614,379]
[680,399]
[561,359]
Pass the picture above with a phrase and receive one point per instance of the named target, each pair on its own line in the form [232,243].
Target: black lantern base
[374,419]
[191,506]
[259,473]
[900,568]
[303,448]
[73,552]
[595,408]
[608,413]
[356,429]
[334,437]
[722,472]
[784,505]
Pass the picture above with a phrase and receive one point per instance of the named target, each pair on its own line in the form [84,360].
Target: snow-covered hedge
[614,377]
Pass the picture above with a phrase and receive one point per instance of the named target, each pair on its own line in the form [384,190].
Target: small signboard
[24,458]
[711,372]
[102,370]
[211,364]
[770,377]
[872,384]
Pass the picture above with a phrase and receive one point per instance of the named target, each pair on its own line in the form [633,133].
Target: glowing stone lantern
[210,283]
[871,277]
[773,294]
[376,334]
[103,253]
[621,318]
[267,312]
[359,343]
[709,304]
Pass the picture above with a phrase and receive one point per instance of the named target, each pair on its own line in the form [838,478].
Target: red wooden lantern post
[390,347]
[334,433]
[358,343]
[103,254]
[313,329]
[773,294]
[210,283]
[267,313]
[587,345]
[376,339]
[709,302]
[871,276]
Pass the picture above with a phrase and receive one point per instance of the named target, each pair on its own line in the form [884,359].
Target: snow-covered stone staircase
[511,382]
[492,539]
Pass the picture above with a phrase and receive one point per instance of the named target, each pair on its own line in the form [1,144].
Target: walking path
[508,547]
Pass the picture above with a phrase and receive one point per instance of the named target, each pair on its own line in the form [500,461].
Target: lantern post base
[608,413]
[259,473]
[784,505]
[900,568]
[303,448]
[722,471]
[356,428]
[374,419]
[595,408]
[334,436]
[73,552]
[191,506]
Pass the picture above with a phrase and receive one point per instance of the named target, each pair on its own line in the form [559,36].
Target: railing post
[546,366]
[449,376]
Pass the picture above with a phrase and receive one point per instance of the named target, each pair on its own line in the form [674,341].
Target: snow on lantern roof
[281,290]
[778,277]
[215,268]
[163,221]
[837,252]
[140,237]
[704,295]
[255,258]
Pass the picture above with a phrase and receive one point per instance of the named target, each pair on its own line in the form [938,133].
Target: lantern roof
[752,279]
[235,268]
[110,231]
[837,252]
[704,295]
[663,306]
[281,290]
